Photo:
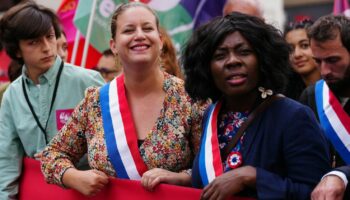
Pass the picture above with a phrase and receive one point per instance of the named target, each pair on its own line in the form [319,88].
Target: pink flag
[66,13]
[341,7]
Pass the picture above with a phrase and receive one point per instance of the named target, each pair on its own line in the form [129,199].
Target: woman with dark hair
[254,142]
[304,68]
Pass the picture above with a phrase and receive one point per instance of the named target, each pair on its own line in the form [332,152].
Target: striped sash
[333,119]
[120,132]
[209,162]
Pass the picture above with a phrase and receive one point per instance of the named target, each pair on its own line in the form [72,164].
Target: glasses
[104,70]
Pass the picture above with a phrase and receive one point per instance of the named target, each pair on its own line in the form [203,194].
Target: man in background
[250,7]
[108,66]
[329,99]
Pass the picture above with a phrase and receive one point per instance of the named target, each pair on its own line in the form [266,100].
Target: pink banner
[33,187]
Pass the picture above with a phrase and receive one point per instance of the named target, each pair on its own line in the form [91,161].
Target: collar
[343,100]
[49,75]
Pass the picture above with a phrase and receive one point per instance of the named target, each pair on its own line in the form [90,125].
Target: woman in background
[169,62]
[304,68]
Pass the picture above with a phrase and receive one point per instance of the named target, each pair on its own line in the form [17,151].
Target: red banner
[34,187]
[4,63]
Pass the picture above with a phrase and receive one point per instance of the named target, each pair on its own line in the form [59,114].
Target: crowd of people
[253,113]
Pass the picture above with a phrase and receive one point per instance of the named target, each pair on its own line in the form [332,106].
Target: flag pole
[88,34]
[75,47]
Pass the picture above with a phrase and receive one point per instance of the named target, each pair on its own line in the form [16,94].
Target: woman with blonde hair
[140,126]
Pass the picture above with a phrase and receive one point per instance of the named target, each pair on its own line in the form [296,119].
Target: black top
[308,98]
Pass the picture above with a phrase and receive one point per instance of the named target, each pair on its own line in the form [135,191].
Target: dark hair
[328,27]
[296,85]
[267,42]
[107,52]
[14,70]
[62,33]
[304,24]
[125,6]
[26,21]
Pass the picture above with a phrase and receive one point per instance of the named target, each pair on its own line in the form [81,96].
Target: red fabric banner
[33,187]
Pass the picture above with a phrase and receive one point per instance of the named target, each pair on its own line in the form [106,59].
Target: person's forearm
[69,177]
[185,178]
[250,180]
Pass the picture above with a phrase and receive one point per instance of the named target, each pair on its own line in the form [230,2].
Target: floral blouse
[171,144]
[229,125]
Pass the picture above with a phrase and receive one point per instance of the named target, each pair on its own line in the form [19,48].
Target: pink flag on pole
[66,13]
[341,7]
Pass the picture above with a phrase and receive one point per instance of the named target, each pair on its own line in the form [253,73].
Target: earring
[265,92]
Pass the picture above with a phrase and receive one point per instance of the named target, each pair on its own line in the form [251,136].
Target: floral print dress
[171,144]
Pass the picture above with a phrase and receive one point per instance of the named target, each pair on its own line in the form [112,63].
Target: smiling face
[137,40]
[302,61]
[39,53]
[234,66]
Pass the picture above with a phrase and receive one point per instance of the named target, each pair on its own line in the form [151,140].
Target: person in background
[37,104]
[169,62]
[143,116]
[304,68]
[249,7]
[62,46]
[108,66]
[329,99]
[240,62]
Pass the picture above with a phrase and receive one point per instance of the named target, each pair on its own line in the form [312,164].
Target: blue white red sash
[333,119]
[119,129]
[210,164]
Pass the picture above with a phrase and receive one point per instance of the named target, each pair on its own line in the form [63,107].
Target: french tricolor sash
[333,119]
[209,162]
[119,129]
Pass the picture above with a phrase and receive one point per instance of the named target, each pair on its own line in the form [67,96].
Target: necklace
[52,102]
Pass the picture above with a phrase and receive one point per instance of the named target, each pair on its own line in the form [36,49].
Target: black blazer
[287,147]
